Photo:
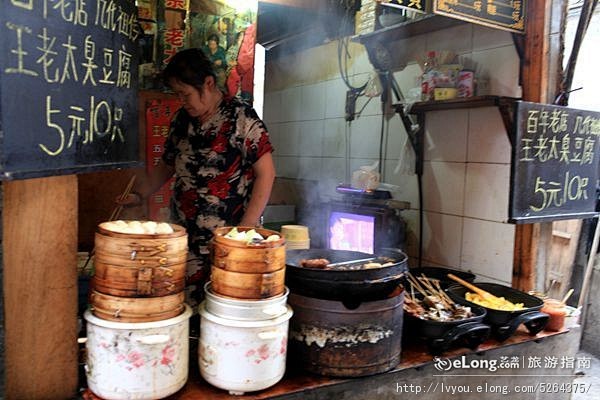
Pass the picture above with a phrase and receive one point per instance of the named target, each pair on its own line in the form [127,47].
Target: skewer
[426,281]
[450,301]
[414,283]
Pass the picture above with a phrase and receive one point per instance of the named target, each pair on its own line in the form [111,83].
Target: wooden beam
[534,78]
[39,240]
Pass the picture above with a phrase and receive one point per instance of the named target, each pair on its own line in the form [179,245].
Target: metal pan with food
[503,318]
[344,275]
[431,315]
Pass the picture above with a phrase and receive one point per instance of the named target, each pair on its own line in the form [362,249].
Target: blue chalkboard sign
[555,160]
[68,87]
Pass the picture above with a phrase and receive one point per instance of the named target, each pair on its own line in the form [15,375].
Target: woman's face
[212,45]
[194,100]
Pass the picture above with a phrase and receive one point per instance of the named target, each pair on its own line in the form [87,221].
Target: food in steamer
[249,236]
[138,227]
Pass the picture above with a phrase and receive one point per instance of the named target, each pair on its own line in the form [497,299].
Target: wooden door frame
[538,82]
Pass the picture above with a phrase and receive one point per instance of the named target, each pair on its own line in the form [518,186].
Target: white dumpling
[232,234]
[111,226]
[135,224]
[149,227]
[136,229]
[163,228]
[252,234]
[273,238]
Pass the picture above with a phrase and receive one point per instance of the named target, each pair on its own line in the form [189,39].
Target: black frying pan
[354,285]
[504,323]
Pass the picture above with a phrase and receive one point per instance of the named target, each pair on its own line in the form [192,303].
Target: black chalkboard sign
[68,87]
[554,168]
[505,15]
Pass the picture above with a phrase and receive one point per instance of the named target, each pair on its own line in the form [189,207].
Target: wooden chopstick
[117,210]
[115,213]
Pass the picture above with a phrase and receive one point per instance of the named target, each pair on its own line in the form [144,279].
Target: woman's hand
[133,199]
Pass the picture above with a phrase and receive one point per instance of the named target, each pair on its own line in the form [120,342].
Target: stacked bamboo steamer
[246,304]
[138,324]
[247,270]
[139,277]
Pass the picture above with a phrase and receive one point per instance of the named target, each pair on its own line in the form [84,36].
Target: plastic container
[295,233]
[557,312]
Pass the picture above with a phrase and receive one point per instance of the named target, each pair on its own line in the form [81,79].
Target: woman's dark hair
[190,66]
[213,37]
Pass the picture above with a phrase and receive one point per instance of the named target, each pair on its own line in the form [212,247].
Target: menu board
[508,15]
[68,94]
[554,169]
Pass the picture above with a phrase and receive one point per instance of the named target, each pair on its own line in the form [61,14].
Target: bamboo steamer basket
[127,309]
[138,282]
[140,265]
[238,256]
[242,285]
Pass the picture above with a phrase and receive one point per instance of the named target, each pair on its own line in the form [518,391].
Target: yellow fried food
[498,303]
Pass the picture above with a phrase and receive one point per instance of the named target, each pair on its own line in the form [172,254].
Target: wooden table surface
[295,380]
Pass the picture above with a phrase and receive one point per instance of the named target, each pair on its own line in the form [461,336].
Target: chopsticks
[117,210]
[114,215]
[341,263]
[564,300]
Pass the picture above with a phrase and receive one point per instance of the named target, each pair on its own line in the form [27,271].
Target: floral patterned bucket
[147,360]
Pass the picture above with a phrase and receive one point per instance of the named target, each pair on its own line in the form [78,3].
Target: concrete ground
[589,377]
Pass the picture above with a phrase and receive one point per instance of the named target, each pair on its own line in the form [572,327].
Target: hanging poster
[554,169]
[68,87]
[226,31]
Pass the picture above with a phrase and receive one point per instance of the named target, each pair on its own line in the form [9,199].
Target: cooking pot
[144,360]
[505,323]
[349,285]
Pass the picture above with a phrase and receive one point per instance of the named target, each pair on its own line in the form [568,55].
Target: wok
[505,323]
[349,285]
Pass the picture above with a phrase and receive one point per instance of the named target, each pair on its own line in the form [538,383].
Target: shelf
[403,30]
[469,102]
[416,132]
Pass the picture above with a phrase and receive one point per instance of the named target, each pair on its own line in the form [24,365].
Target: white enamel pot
[245,309]
[144,360]
[242,356]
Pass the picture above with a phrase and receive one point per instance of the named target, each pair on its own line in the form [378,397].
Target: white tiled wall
[467,152]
